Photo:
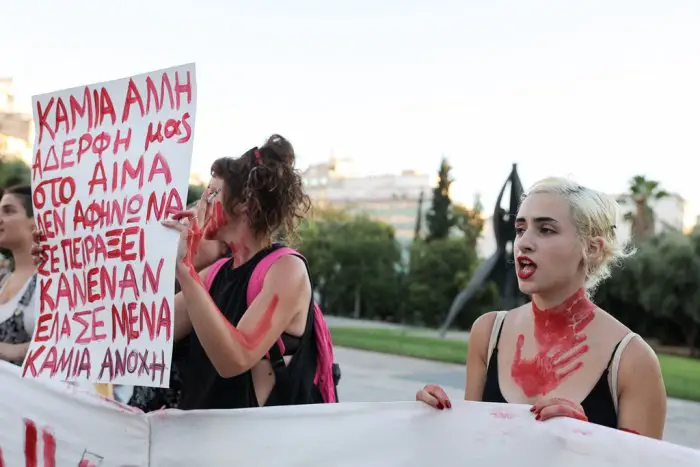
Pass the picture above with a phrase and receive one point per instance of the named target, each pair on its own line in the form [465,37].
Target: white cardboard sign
[111,160]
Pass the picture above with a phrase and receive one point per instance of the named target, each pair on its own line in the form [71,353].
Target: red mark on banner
[502,415]
[30,441]
[90,459]
[31,454]
[629,430]
[559,337]
[2,459]
[49,448]
[216,222]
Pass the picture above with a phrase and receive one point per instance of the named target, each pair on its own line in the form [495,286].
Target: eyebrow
[538,220]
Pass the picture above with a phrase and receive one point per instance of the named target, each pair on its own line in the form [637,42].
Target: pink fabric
[324,366]
[213,270]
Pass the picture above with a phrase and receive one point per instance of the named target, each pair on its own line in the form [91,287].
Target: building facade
[16,130]
[391,198]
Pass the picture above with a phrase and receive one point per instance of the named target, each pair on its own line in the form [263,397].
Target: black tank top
[598,405]
[203,388]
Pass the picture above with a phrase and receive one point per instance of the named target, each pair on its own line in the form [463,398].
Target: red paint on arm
[253,339]
[560,342]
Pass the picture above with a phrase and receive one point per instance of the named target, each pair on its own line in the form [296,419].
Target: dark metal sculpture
[500,267]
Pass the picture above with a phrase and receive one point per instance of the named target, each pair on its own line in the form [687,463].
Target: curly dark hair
[265,180]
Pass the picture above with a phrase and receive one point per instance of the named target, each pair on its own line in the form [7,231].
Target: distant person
[17,285]
[560,352]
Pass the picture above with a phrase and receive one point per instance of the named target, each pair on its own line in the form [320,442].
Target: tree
[470,221]
[439,270]
[14,171]
[354,264]
[195,192]
[419,218]
[670,271]
[439,217]
[641,192]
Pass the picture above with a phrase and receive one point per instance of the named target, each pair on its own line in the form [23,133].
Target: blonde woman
[560,352]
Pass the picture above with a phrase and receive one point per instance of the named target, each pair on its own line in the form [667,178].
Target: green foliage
[14,171]
[642,219]
[439,217]
[194,193]
[470,222]
[357,270]
[656,292]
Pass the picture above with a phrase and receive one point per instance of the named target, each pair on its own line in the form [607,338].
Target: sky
[597,90]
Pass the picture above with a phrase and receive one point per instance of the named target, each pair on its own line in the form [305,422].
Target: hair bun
[279,149]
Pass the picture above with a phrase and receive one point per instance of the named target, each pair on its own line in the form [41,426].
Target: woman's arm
[477,355]
[233,350]
[641,389]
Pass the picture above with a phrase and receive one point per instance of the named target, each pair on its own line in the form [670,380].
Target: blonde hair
[595,215]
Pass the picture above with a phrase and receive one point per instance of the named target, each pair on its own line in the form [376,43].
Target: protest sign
[111,160]
[87,431]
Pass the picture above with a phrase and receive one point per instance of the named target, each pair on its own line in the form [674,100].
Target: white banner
[57,425]
[111,160]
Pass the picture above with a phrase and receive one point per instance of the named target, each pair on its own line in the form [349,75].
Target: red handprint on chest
[560,344]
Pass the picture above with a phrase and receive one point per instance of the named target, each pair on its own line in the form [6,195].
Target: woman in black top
[561,353]
[265,353]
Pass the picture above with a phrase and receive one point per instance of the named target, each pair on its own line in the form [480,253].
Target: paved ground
[372,377]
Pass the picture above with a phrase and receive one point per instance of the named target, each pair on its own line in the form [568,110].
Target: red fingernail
[532,409]
[440,406]
[448,404]
[537,417]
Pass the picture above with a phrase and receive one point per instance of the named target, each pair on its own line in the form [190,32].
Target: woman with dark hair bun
[17,285]
[259,339]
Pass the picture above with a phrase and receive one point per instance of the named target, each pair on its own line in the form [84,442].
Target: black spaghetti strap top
[598,405]
[203,388]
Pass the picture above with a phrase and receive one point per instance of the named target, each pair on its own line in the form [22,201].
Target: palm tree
[641,192]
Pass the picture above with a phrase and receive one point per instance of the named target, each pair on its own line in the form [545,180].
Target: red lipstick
[525,267]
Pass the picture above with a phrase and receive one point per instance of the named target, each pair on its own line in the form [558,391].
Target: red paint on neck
[559,325]
[559,338]
[239,252]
